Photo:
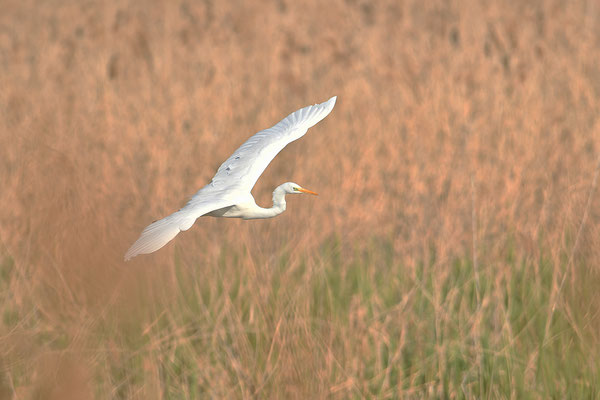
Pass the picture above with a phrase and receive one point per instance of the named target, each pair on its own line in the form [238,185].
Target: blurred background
[453,250]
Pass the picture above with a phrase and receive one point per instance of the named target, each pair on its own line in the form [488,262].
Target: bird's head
[294,188]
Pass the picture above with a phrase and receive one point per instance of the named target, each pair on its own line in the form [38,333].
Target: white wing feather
[242,169]
[234,179]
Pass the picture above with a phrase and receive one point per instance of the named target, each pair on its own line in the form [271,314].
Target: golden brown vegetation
[453,251]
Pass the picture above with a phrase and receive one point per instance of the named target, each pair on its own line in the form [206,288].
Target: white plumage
[228,194]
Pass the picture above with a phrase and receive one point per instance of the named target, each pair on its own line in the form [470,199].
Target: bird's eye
[296,189]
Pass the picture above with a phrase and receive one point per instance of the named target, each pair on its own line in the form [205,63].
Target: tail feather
[157,234]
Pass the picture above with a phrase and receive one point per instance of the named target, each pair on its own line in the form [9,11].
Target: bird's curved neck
[279,199]
[278,203]
[277,208]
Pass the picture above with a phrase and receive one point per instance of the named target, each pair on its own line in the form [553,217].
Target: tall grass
[452,252]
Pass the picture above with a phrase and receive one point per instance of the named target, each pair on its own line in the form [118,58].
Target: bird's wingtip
[329,103]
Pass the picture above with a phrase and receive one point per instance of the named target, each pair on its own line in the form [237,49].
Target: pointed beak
[307,191]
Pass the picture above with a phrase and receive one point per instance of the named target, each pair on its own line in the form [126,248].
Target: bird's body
[228,194]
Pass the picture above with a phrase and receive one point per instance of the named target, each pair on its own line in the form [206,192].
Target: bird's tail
[159,233]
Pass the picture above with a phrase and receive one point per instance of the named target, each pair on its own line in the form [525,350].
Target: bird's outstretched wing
[234,179]
[239,173]
[160,232]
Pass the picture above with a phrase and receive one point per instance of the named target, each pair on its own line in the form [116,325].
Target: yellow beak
[307,191]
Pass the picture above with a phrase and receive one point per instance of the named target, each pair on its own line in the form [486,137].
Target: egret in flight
[228,194]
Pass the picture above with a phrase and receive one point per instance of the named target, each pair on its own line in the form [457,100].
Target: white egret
[228,194]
